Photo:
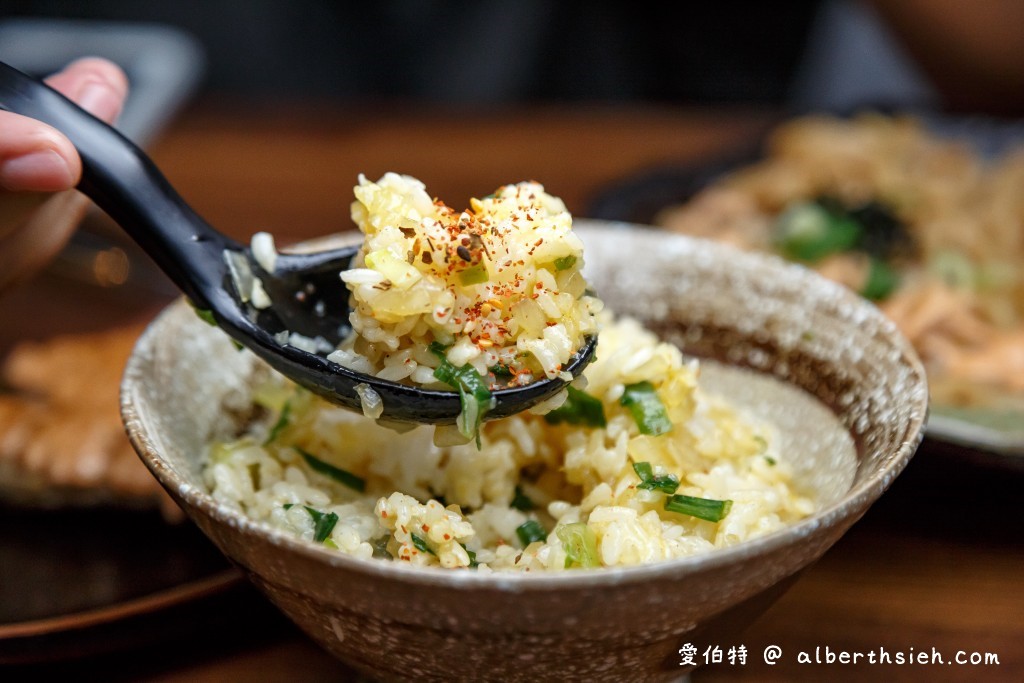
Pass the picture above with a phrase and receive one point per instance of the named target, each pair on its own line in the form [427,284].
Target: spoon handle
[127,185]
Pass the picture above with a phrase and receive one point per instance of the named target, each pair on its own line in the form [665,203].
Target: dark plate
[638,198]
[994,435]
[68,578]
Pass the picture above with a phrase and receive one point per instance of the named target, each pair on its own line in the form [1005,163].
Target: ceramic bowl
[186,383]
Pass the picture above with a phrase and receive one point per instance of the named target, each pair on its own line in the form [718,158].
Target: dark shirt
[462,51]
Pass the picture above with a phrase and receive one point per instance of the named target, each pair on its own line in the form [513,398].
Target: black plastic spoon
[307,294]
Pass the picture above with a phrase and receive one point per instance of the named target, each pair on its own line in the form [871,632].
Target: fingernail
[100,100]
[43,171]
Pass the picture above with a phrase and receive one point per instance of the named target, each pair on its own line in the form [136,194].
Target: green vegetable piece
[580,408]
[501,371]
[521,502]
[647,409]
[473,275]
[667,483]
[530,531]
[339,475]
[565,262]
[323,523]
[702,508]
[330,544]
[580,545]
[421,544]
[283,420]
[644,471]
[473,564]
[206,316]
[809,232]
[882,281]
[438,349]
[474,396]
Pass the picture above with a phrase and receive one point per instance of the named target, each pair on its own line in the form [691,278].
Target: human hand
[39,168]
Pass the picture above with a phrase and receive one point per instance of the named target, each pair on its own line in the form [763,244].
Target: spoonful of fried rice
[439,317]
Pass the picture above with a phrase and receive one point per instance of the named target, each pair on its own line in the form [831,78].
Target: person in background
[39,169]
[971,52]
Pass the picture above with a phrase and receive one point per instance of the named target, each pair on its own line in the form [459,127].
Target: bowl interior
[796,336]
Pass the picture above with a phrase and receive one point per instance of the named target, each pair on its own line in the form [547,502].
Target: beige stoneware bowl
[186,384]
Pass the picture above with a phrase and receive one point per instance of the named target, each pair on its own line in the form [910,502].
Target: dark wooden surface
[937,563]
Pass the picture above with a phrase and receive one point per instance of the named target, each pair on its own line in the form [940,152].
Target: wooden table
[937,563]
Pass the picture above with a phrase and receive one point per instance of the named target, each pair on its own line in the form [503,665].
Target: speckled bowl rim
[851,506]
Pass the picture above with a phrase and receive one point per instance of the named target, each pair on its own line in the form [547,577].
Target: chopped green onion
[770,460]
[330,544]
[438,349]
[809,232]
[336,473]
[647,409]
[521,502]
[644,471]
[580,408]
[667,483]
[474,275]
[421,544]
[380,546]
[565,262]
[464,377]
[323,523]
[501,371]
[530,531]
[474,396]
[206,316]
[881,282]
[282,422]
[702,508]
[473,564]
[580,545]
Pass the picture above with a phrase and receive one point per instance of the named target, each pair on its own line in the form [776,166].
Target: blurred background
[803,54]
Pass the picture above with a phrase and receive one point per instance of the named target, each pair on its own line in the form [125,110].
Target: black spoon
[307,294]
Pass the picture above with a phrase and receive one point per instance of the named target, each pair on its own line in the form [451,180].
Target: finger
[34,157]
[95,84]
[36,160]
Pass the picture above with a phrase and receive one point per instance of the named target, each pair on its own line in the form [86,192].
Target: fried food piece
[61,438]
